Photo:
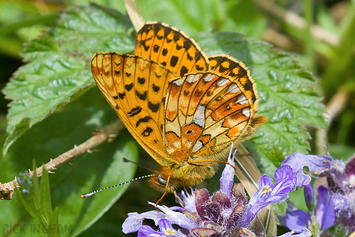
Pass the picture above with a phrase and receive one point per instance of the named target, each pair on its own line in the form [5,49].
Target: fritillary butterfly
[184,108]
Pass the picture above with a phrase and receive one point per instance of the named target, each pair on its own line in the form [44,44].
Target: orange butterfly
[183,108]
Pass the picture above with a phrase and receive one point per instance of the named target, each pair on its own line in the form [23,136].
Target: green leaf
[289,95]
[90,171]
[45,197]
[59,64]
[53,222]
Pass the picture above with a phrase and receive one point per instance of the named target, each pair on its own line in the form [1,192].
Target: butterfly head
[162,182]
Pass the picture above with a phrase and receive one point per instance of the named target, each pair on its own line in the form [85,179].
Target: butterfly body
[181,107]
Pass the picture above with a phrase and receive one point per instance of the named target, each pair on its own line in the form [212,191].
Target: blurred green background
[320,33]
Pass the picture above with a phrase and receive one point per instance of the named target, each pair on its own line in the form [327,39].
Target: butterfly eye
[161,179]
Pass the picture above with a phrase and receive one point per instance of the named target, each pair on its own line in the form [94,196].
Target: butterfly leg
[165,192]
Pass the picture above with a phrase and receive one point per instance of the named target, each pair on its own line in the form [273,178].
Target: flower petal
[187,200]
[134,220]
[315,164]
[227,179]
[266,194]
[309,197]
[146,231]
[297,219]
[265,181]
[164,225]
[325,215]
[176,218]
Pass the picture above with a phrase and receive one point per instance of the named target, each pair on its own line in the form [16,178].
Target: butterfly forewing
[170,47]
[135,88]
[230,67]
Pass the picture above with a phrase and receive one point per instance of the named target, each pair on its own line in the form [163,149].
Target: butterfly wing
[205,113]
[170,47]
[228,66]
[135,88]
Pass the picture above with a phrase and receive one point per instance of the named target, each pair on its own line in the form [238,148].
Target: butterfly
[184,108]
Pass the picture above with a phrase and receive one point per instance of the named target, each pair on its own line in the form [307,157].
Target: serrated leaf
[289,95]
[59,64]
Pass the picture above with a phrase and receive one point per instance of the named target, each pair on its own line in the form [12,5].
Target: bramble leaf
[59,64]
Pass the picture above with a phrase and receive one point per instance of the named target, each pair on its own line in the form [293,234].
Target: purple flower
[325,216]
[284,183]
[225,213]
[341,184]
[316,164]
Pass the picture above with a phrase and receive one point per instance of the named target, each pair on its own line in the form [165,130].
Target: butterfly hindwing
[170,47]
[135,88]
[205,113]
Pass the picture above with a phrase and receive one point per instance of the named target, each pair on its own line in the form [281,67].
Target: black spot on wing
[146,48]
[176,36]
[183,71]
[173,61]
[156,48]
[199,68]
[153,107]
[142,96]
[165,52]
[128,74]
[115,97]
[156,28]
[147,132]
[129,86]
[117,72]
[198,55]
[242,72]
[122,95]
[141,80]
[222,69]
[136,110]
[155,88]
[178,47]
[157,75]
[143,120]
[187,44]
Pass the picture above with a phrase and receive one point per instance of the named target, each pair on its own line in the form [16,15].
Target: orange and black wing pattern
[135,87]
[171,47]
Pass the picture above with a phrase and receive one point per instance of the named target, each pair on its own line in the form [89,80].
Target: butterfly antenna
[130,161]
[116,185]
